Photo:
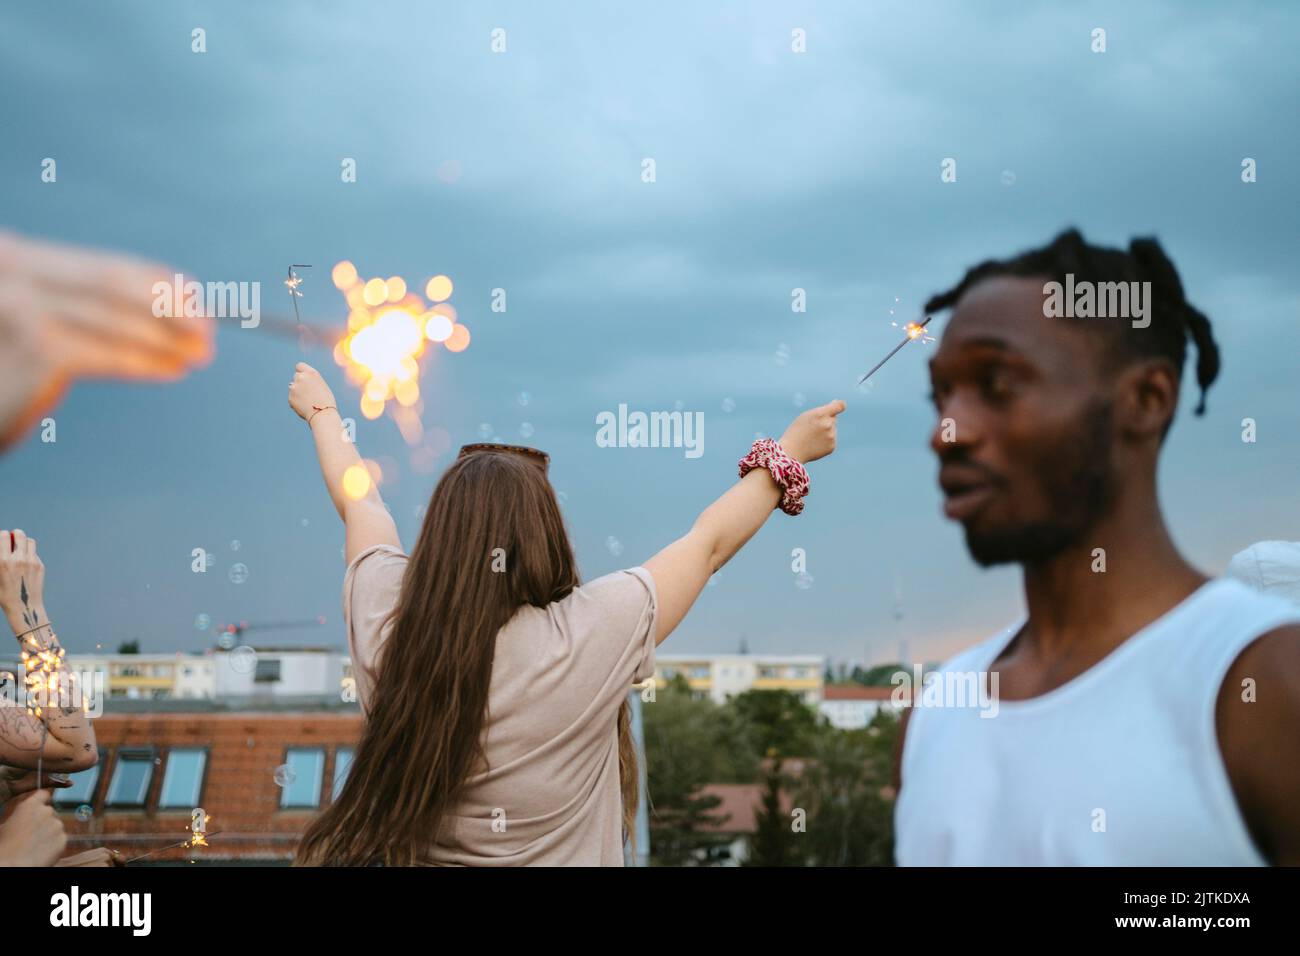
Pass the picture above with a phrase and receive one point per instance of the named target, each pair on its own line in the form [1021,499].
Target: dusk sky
[522,170]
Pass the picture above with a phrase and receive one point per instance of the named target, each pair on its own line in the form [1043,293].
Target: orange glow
[458,341]
[438,288]
[356,482]
[376,292]
[344,276]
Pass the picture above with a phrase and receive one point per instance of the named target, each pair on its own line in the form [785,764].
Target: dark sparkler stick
[914,330]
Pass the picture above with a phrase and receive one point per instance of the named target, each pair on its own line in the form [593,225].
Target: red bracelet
[785,471]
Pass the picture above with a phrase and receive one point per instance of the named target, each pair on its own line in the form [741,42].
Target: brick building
[260,776]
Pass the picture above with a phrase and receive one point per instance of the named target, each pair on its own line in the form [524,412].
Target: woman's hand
[68,313]
[812,434]
[308,392]
[99,856]
[15,781]
[33,835]
[22,582]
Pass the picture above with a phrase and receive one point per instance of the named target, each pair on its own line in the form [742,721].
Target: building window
[183,780]
[302,782]
[342,764]
[268,672]
[132,774]
[82,790]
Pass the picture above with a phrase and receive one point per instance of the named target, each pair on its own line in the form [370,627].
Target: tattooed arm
[61,738]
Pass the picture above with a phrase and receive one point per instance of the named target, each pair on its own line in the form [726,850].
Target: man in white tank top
[1138,714]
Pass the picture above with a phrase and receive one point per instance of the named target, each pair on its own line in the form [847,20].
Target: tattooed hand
[22,582]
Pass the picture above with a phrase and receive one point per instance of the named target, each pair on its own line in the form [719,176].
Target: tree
[846,790]
[687,747]
[129,647]
[778,722]
[774,842]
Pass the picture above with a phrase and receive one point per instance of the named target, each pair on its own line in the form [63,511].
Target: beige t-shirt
[551,795]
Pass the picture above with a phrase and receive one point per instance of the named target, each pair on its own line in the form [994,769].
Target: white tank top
[1119,766]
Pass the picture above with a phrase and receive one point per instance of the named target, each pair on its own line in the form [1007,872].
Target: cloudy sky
[522,170]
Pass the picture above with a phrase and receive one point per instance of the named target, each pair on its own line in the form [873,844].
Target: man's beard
[1078,482]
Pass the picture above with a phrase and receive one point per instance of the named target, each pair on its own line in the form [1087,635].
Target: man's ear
[1147,398]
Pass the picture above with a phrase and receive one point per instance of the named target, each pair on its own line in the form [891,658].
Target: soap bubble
[485,431]
[523,398]
[202,622]
[728,405]
[614,546]
[799,399]
[526,430]
[284,775]
[226,641]
[803,581]
[234,545]
[782,354]
[678,405]
[1008,177]
[238,573]
[243,659]
[84,812]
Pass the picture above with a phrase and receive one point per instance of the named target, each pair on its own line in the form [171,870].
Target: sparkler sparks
[914,330]
[293,282]
[390,330]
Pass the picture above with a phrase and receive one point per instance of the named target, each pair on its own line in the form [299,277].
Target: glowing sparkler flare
[914,330]
[356,482]
[390,328]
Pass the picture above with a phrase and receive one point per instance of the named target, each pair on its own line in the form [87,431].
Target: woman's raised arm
[681,570]
[366,520]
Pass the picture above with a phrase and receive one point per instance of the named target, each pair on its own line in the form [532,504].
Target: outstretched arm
[366,520]
[682,569]
[61,737]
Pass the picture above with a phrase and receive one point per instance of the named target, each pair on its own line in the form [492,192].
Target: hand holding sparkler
[812,434]
[33,835]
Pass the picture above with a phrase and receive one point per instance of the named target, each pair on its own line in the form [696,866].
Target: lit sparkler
[198,837]
[914,330]
[293,282]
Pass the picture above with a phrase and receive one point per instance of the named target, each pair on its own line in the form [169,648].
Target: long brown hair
[422,738]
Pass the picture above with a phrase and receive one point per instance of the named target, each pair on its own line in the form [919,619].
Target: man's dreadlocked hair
[1173,319]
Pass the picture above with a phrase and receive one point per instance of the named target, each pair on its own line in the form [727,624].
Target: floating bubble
[562,496]
[728,405]
[202,622]
[678,405]
[84,812]
[284,775]
[226,641]
[782,354]
[803,580]
[613,546]
[304,522]
[866,388]
[523,398]
[484,431]
[1008,177]
[243,659]
[209,559]
[799,399]
[234,545]
[526,430]
[238,573]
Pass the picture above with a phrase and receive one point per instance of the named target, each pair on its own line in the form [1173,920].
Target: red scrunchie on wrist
[785,471]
